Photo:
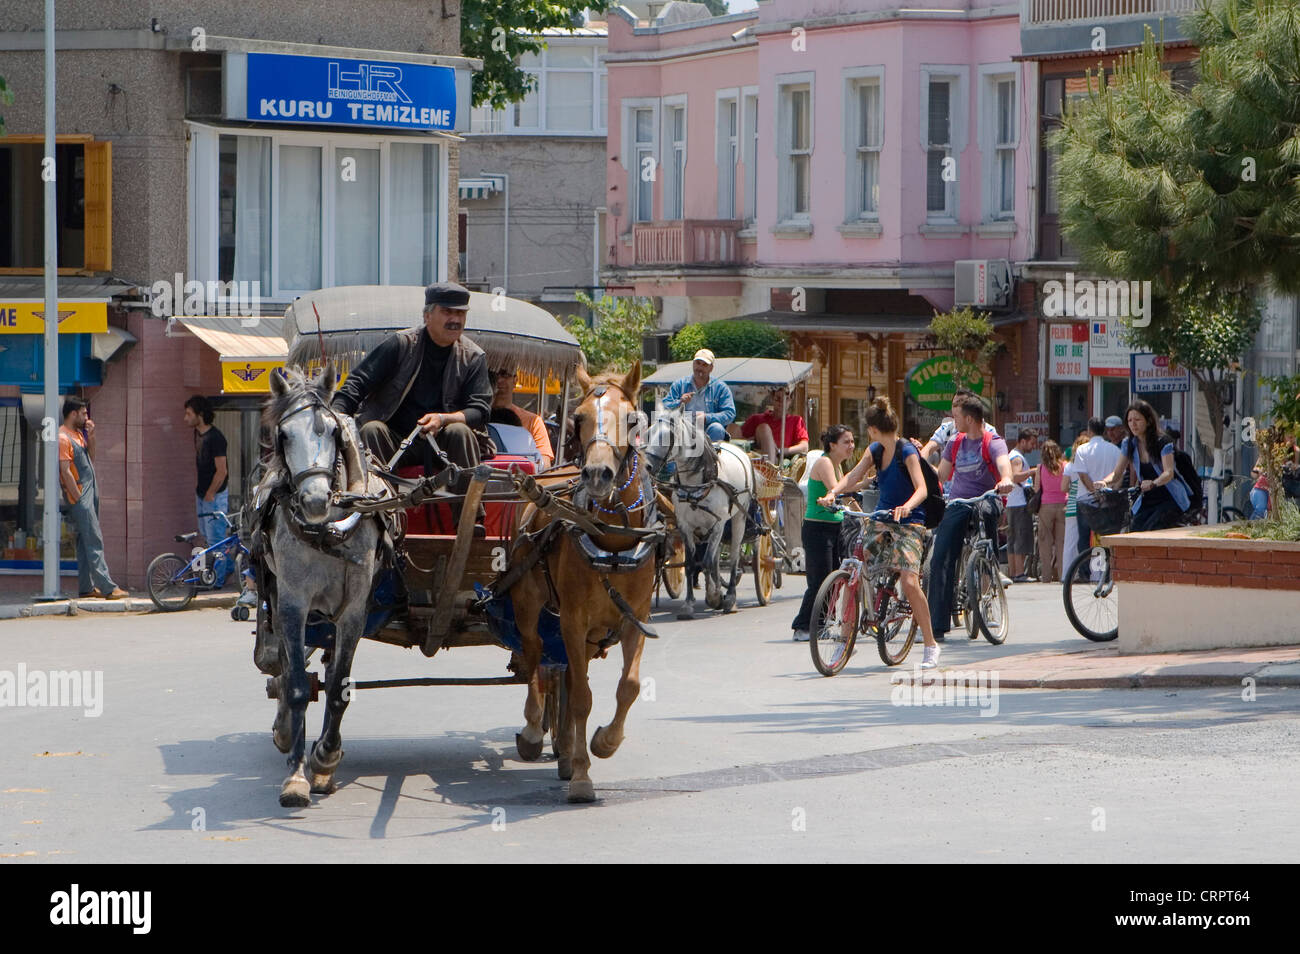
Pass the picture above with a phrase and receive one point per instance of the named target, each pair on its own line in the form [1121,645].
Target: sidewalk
[1104,668]
[130,604]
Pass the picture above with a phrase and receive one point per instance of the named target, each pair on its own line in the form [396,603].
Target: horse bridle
[598,392]
[313,401]
[706,464]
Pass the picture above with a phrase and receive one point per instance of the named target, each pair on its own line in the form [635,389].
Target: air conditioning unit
[983,283]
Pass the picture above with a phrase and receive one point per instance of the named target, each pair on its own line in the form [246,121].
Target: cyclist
[977,462]
[947,429]
[1164,497]
[902,492]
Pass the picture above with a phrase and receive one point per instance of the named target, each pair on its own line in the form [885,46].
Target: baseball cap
[447,294]
[1114,421]
[705,355]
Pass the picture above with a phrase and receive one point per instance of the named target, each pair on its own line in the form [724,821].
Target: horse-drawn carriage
[712,488]
[347,550]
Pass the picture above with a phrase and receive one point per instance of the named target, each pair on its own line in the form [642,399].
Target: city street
[737,751]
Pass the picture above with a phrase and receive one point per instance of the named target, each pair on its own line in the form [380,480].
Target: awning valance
[480,188]
[250,349]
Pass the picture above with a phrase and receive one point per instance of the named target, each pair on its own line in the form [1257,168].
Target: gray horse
[712,490]
[321,562]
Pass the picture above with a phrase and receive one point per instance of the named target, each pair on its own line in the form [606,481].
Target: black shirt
[207,448]
[425,395]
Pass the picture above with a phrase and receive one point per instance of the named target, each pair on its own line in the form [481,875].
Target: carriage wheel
[673,572]
[764,568]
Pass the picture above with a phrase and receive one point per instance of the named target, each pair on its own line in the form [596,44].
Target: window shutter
[99,207]
[938,112]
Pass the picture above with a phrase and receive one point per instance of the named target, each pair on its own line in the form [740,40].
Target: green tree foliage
[730,339]
[1196,190]
[6,97]
[716,7]
[968,335]
[613,341]
[499,31]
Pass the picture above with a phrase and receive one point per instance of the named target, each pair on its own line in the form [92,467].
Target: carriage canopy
[738,372]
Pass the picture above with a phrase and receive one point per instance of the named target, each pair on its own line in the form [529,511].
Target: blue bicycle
[173,580]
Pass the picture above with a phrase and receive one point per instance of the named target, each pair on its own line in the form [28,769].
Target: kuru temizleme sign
[932,382]
[341,92]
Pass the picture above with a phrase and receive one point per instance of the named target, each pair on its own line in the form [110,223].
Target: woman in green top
[821,527]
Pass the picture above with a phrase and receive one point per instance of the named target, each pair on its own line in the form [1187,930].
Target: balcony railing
[686,242]
[1046,12]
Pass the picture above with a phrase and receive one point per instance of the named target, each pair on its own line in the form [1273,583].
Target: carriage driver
[710,400]
[431,376]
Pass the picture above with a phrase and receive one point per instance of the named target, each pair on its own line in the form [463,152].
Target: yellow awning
[251,349]
[76,316]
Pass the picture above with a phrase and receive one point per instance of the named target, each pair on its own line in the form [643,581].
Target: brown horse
[615,486]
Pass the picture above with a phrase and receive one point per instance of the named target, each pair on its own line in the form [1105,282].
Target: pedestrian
[1149,452]
[1020,522]
[1259,494]
[81,500]
[821,527]
[1094,460]
[1072,532]
[212,490]
[902,492]
[1115,429]
[1053,484]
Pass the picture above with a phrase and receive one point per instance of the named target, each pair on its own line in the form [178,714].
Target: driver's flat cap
[447,294]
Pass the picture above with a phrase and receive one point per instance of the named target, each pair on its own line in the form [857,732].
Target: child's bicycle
[864,596]
[173,580]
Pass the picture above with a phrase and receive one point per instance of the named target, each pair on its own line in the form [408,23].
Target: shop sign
[932,382]
[26,317]
[248,377]
[1156,374]
[340,92]
[1067,351]
[1108,353]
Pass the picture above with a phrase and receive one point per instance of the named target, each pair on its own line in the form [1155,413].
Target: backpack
[984,450]
[934,504]
[1187,470]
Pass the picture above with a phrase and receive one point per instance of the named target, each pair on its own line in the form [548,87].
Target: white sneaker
[931,657]
[800,636]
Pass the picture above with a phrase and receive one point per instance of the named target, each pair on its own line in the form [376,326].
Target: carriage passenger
[503,398]
[764,426]
[710,400]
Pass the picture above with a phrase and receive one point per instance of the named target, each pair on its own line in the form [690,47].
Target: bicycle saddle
[186,537]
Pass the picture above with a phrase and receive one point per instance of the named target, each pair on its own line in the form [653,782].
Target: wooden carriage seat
[436,518]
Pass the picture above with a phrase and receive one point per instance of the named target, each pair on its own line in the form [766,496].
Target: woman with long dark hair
[821,527]
[1150,452]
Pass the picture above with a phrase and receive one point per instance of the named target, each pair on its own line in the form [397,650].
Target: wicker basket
[1107,514]
[767,478]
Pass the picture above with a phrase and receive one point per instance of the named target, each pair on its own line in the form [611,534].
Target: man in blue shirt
[710,399]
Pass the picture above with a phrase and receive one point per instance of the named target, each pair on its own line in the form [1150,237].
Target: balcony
[686,242]
[1051,12]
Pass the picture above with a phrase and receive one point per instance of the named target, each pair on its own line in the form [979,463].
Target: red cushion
[436,518]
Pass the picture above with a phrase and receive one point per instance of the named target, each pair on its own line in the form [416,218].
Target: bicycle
[979,595]
[1227,490]
[861,595]
[1091,604]
[173,580]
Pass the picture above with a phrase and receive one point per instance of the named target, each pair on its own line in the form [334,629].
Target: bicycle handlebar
[974,500]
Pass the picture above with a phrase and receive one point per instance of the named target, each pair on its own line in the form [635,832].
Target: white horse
[712,490]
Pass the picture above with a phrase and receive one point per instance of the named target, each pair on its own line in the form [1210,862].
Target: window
[751,157]
[675,181]
[999,139]
[864,135]
[728,155]
[938,148]
[795,151]
[643,169]
[83,204]
[569,94]
[297,212]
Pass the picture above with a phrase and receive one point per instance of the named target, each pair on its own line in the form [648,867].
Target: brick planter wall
[1179,591]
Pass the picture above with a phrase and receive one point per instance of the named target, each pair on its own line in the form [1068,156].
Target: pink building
[822,165]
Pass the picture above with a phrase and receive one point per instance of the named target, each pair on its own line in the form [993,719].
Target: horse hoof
[729,605]
[324,766]
[323,784]
[564,768]
[685,614]
[599,747]
[295,793]
[528,751]
[581,790]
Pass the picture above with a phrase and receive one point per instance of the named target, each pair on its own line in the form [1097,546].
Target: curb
[1149,681]
[131,605]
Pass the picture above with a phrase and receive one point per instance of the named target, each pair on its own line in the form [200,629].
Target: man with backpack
[976,461]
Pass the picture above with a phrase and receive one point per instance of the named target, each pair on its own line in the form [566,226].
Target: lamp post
[49,426]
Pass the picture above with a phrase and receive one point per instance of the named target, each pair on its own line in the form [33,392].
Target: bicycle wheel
[168,587]
[988,600]
[834,624]
[893,626]
[1228,514]
[1089,593]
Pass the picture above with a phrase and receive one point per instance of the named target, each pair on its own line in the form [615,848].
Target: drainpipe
[505,258]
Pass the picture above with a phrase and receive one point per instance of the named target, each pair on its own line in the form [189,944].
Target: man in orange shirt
[762,428]
[503,396]
[81,500]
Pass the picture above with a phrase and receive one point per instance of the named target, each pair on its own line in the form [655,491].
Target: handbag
[1033,500]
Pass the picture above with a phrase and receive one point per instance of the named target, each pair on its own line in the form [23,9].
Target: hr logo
[371,81]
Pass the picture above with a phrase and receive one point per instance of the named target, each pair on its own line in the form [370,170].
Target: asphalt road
[737,751]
